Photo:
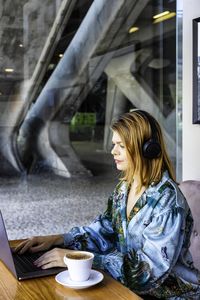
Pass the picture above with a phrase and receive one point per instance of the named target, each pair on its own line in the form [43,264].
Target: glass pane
[67,68]
[70,67]
[140,73]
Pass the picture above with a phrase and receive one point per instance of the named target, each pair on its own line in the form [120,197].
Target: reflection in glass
[75,66]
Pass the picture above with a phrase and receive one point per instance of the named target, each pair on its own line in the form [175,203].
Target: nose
[114,150]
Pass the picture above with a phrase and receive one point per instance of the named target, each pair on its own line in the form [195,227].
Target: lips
[118,161]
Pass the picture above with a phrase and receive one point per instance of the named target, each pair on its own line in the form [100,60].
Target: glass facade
[69,67]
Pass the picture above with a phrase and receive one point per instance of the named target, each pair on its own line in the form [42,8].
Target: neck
[134,185]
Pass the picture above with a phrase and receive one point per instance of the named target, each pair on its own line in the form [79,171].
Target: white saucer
[63,278]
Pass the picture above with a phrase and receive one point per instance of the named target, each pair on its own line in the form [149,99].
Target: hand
[52,258]
[39,243]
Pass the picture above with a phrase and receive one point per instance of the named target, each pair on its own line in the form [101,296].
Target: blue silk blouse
[147,252]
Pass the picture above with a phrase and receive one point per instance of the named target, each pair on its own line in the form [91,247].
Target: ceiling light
[161,14]
[60,55]
[9,70]
[21,45]
[166,17]
[133,29]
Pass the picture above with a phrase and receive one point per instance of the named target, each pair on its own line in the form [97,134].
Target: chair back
[191,191]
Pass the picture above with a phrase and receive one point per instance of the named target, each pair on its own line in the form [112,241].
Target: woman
[142,239]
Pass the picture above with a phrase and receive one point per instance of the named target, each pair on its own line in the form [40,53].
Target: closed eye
[121,145]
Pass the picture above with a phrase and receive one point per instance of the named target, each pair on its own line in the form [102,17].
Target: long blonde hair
[134,129]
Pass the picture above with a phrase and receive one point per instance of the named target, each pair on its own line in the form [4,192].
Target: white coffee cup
[79,264]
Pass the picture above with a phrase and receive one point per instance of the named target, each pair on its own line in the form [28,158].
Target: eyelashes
[120,145]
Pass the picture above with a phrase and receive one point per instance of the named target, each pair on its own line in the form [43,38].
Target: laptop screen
[5,251]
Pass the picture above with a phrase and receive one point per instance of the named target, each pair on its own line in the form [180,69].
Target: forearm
[95,238]
[58,239]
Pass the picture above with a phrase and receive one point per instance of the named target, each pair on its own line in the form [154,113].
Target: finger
[20,246]
[50,256]
[51,264]
[26,247]
[37,248]
[47,257]
[43,259]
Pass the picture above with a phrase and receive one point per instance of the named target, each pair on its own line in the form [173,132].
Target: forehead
[116,137]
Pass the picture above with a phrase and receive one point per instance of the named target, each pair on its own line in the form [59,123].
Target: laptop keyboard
[25,262]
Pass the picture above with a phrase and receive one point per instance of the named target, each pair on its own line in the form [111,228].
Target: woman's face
[119,152]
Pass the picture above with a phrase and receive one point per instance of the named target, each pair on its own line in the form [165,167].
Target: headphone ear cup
[151,149]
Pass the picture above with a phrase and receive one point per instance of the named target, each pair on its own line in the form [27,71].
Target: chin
[120,168]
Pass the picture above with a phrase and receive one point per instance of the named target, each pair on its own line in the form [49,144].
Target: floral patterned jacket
[149,251]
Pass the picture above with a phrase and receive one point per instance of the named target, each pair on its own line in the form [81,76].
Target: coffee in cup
[78,256]
[79,264]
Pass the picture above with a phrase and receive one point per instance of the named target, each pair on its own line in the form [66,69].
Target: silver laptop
[21,266]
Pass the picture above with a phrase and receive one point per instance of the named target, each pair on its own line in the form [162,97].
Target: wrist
[58,240]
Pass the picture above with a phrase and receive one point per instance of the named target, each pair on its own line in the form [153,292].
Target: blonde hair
[134,129]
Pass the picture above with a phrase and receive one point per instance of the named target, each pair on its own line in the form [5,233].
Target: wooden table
[47,288]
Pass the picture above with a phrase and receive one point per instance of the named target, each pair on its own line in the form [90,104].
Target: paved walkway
[48,204]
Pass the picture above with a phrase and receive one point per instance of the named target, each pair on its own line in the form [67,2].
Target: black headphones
[151,147]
